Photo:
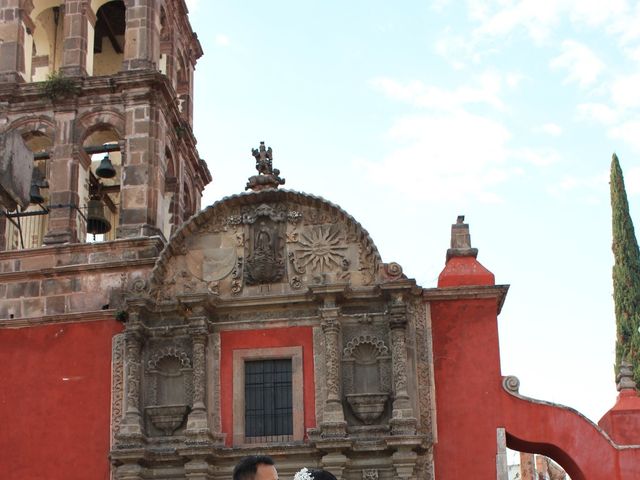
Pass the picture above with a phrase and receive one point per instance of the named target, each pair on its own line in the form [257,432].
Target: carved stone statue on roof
[268,177]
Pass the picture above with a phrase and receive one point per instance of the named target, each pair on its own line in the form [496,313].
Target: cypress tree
[626,275]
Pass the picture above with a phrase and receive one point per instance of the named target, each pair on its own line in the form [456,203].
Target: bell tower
[101,93]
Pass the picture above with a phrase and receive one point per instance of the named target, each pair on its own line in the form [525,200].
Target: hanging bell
[105,169]
[34,194]
[97,222]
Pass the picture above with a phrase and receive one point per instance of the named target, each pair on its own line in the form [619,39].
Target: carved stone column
[131,426]
[333,423]
[403,421]
[197,423]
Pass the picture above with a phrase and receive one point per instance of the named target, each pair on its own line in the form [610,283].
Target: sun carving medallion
[320,248]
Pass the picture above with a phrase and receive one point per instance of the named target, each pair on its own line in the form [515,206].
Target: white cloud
[629,132]
[582,65]
[535,17]
[513,79]
[625,92]
[581,185]
[598,112]
[538,157]
[552,129]
[222,40]
[446,156]
[486,91]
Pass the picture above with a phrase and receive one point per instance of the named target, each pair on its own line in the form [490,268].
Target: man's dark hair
[247,468]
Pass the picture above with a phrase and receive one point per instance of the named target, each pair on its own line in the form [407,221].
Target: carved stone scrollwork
[403,421]
[131,425]
[197,423]
[182,356]
[379,346]
[369,474]
[333,424]
[117,384]
[133,349]
[236,275]
[331,328]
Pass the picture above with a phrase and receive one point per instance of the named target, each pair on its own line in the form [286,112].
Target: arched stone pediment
[268,242]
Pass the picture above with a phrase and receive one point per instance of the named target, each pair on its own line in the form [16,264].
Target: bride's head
[311,474]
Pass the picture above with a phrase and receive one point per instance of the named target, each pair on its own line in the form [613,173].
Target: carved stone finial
[268,177]
[624,378]
[461,240]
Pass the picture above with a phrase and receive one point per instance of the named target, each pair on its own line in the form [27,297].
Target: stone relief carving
[369,474]
[117,384]
[265,262]
[416,311]
[368,264]
[320,248]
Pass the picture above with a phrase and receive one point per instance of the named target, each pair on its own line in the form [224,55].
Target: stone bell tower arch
[103,79]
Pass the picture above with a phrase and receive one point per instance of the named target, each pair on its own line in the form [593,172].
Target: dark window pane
[268,399]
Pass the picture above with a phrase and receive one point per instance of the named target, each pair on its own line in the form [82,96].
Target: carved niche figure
[265,262]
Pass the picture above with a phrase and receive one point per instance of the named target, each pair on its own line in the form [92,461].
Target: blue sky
[410,113]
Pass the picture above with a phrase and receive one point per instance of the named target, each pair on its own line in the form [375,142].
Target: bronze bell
[97,222]
[34,194]
[105,169]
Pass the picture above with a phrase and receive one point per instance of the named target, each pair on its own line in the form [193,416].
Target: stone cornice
[499,292]
[79,249]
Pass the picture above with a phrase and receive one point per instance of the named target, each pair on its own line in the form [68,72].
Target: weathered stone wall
[140,109]
[64,283]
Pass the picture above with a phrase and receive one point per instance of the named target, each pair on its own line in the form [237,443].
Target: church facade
[144,338]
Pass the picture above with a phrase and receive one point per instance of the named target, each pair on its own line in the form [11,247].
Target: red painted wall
[55,401]
[471,403]
[267,338]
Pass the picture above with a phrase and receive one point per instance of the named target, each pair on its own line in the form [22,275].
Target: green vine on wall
[58,86]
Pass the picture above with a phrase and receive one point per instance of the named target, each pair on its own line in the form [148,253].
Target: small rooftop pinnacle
[268,177]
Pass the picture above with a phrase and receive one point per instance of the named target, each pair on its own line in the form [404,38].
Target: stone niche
[168,379]
[366,376]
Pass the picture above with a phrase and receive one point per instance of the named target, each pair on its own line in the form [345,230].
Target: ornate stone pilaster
[403,421]
[197,422]
[333,423]
[131,425]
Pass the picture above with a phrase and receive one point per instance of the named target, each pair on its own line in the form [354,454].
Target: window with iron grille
[268,400]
